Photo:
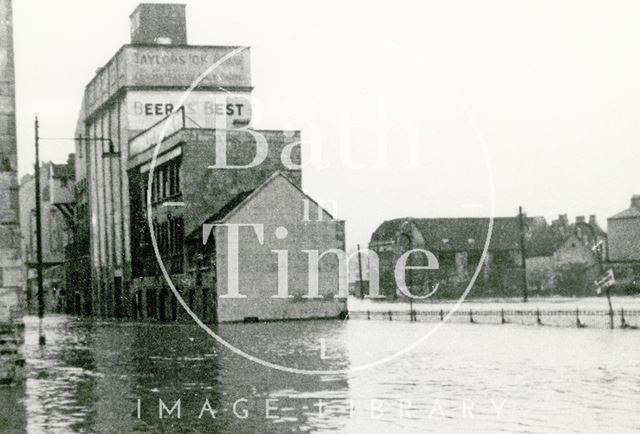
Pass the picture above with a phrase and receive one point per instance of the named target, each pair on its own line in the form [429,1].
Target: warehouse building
[457,243]
[186,192]
[135,89]
[199,262]
[129,112]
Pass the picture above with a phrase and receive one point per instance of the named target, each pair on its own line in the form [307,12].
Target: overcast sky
[554,87]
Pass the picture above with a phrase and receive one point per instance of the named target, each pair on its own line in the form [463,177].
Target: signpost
[605,282]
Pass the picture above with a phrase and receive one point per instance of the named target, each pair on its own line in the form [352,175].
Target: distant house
[624,233]
[457,243]
[283,212]
[560,257]
[566,258]
[624,244]
[56,196]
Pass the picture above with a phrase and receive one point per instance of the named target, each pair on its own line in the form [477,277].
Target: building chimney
[635,201]
[159,23]
[592,219]
[580,219]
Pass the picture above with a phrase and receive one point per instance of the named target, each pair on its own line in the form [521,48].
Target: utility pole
[41,339]
[523,254]
[360,273]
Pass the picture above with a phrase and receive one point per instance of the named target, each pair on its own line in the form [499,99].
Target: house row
[525,255]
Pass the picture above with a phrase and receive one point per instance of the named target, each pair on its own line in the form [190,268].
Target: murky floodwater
[106,377]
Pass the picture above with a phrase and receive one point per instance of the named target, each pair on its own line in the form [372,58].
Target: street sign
[605,281]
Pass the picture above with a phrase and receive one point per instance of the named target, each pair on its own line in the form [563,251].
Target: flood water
[102,377]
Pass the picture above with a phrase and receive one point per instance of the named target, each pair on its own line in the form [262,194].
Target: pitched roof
[222,212]
[239,200]
[470,233]
[628,213]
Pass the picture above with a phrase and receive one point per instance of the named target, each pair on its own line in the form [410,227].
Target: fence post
[441,315]
[623,323]
[471,316]
[503,321]
[389,315]
[538,316]
[368,314]
[578,323]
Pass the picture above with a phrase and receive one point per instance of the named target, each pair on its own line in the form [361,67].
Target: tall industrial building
[133,91]
[126,105]
[10,261]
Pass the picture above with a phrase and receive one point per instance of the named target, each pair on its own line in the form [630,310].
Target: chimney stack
[592,219]
[635,201]
[159,23]
[580,219]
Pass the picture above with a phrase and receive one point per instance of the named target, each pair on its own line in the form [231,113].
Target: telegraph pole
[360,274]
[523,255]
[41,339]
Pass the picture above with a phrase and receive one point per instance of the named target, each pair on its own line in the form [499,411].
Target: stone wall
[624,239]
[11,337]
[10,259]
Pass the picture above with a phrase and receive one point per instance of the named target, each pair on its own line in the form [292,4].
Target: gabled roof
[628,213]
[226,209]
[470,233]
[243,198]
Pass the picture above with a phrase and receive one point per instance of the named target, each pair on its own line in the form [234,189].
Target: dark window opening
[446,259]
[502,257]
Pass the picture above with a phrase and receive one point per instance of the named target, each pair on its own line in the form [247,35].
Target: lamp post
[41,336]
[523,255]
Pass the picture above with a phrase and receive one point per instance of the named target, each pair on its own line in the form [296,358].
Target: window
[446,259]
[473,258]
[502,257]
[5,164]
[166,181]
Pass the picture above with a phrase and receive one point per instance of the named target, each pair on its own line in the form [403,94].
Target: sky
[531,103]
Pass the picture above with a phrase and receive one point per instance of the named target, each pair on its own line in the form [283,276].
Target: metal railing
[625,319]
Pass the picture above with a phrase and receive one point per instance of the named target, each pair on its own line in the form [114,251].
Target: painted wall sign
[203,109]
[168,66]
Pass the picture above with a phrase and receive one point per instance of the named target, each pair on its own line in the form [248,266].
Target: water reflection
[108,377]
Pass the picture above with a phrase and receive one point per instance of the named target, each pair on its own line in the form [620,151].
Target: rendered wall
[280,204]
